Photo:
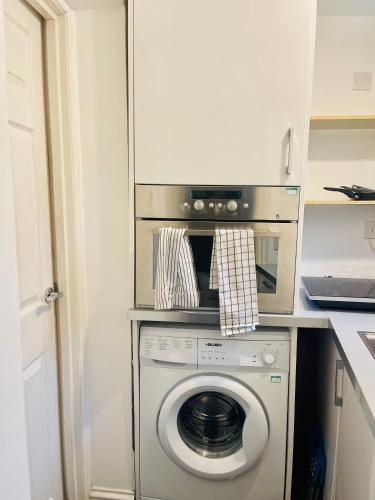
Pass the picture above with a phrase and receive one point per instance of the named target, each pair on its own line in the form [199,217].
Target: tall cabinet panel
[355,471]
[221,90]
[330,383]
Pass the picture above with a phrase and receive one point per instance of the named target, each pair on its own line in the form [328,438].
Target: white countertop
[357,358]
[306,315]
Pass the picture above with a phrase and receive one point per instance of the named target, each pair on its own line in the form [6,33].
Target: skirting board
[97,493]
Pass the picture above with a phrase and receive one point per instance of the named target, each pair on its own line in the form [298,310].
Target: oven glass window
[211,424]
[202,252]
[266,256]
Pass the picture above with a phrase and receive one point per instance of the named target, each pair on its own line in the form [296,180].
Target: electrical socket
[370,230]
[362,80]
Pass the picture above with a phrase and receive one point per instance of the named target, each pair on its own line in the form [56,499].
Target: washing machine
[212,414]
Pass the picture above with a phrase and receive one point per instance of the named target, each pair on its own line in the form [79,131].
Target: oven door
[275,255]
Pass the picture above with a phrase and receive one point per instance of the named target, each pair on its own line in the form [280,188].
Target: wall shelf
[338,202]
[342,122]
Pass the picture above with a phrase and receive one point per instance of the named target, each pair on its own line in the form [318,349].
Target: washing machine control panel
[162,350]
[272,354]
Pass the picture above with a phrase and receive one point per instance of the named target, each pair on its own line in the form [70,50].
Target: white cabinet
[355,464]
[329,413]
[221,90]
[349,442]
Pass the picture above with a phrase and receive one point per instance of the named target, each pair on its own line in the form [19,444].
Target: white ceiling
[93,4]
[346,7]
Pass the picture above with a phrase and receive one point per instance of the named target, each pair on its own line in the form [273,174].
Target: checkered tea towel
[233,273]
[176,281]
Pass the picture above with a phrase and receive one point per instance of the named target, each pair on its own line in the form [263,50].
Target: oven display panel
[197,194]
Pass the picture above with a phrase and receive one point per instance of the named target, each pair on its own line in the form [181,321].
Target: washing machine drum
[211,423]
[213,426]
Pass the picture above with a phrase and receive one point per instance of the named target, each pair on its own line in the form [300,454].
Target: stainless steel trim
[339,367]
[326,298]
[271,203]
[211,232]
[289,165]
[192,316]
[211,317]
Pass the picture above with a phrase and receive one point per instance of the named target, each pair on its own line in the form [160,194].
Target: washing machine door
[213,426]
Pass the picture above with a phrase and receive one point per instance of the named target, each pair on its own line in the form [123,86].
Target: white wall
[102,98]
[93,4]
[14,469]
[343,45]
[333,242]
[341,157]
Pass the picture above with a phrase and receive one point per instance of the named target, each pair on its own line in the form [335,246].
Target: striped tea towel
[233,273]
[176,281]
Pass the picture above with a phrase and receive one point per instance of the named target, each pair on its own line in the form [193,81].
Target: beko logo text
[210,344]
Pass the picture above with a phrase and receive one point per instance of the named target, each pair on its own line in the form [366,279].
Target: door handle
[289,162]
[339,368]
[52,294]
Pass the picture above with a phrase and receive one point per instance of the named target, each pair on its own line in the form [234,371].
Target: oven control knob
[232,206]
[219,205]
[199,205]
[268,358]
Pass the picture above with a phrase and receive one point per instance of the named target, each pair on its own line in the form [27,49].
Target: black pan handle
[349,193]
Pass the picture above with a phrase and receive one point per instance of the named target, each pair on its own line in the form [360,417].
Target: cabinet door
[217,87]
[330,381]
[355,473]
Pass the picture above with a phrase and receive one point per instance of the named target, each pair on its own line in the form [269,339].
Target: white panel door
[217,87]
[355,471]
[28,148]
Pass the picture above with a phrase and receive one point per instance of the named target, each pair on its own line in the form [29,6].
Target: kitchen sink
[369,339]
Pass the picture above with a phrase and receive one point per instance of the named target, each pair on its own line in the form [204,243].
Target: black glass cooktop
[330,287]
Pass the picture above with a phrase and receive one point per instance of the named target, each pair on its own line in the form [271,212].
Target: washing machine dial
[199,205]
[268,357]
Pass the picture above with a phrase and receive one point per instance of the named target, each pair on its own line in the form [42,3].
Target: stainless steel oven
[272,212]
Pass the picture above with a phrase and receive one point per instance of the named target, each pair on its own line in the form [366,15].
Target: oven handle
[211,232]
